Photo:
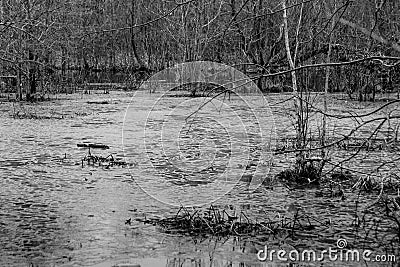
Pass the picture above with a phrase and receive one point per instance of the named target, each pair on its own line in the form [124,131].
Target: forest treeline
[48,44]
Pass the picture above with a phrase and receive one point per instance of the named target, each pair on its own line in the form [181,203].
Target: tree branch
[371,34]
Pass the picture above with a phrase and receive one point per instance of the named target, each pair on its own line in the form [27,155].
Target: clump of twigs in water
[309,175]
[367,184]
[221,223]
[32,113]
[388,208]
[371,184]
[105,162]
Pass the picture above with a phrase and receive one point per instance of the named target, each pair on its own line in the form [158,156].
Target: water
[54,212]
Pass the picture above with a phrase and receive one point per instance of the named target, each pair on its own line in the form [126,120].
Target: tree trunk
[63,62]
[30,94]
[297,101]
[327,75]
[19,83]
[136,57]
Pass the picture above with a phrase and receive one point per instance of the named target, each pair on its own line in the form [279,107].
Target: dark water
[54,212]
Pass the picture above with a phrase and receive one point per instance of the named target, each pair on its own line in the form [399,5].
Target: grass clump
[309,174]
[212,221]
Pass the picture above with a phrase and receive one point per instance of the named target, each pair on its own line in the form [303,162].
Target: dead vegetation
[98,160]
[220,222]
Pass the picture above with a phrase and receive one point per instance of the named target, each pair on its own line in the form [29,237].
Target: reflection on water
[183,147]
[53,212]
